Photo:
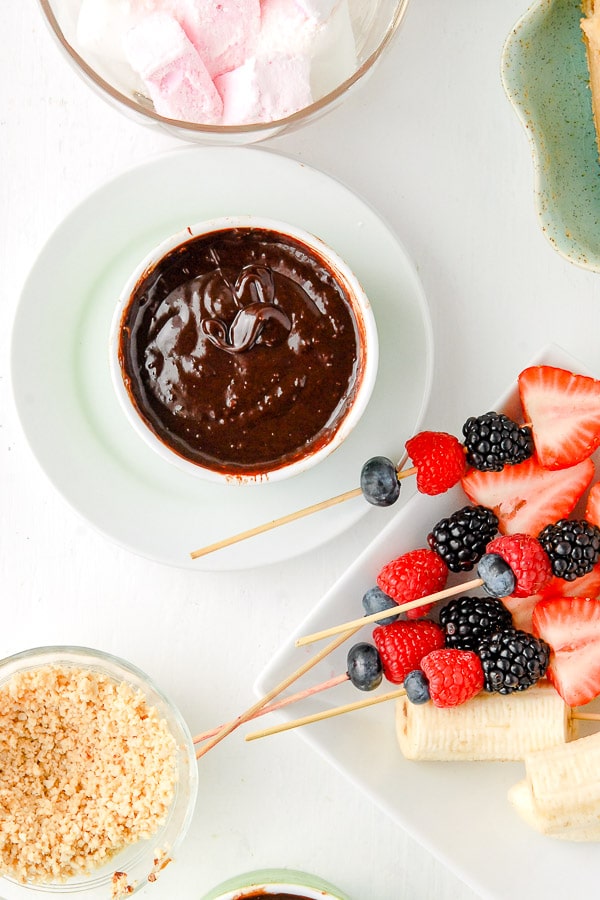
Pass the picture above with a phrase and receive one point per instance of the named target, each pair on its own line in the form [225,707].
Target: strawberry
[526,497]
[528,560]
[592,507]
[564,412]
[521,608]
[402,646]
[440,461]
[571,626]
[411,576]
[454,676]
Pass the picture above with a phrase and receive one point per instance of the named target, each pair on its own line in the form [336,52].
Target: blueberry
[498,577]
[416,687]
[374,600]
[379,481]
[365,669]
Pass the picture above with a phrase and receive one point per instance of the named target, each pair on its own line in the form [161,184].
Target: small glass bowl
[266,882]
[374,24]
[137,860]
[365,368]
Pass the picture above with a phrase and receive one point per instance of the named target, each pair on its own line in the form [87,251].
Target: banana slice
[488,727]
[560,795]
[565,782]
[521,798]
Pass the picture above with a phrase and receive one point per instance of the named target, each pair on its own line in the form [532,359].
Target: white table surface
[433,144]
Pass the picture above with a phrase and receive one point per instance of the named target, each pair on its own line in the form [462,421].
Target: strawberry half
[571,626]
[521,608]
[592,507]
[564,412]
[527,497]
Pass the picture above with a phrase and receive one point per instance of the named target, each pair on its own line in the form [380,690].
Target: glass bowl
[173,255]
[142,861]
[278,882]
[373,24]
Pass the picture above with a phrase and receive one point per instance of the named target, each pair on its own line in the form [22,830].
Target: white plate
[459,811]
[60,372]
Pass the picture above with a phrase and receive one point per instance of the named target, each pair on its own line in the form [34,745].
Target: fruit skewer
[529,569]
[554,402]
[381,698]
[384,613]
[291,517]
[495,575]
[514,564]
[440,460]
[327,714]
[364,670]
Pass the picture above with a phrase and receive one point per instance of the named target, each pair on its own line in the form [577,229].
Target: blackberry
[468,620]
[512,661]
[461,539]
[572,546]
[494,441]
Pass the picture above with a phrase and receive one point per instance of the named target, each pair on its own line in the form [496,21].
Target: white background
[433,144]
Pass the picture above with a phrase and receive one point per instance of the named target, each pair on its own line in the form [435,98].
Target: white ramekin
[366,366]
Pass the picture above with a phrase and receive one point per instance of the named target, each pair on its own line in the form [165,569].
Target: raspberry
[402,646]
[411,576]
[439,458]
[454,676]
[528,560]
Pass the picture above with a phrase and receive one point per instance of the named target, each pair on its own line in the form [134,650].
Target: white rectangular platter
[459,811]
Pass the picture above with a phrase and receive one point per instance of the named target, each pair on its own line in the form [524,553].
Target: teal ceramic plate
[544,71]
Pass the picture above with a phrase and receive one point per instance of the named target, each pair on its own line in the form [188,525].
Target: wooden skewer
[383,613]
[326,714]
[279,704]
[285,520]
[362,704]
[278,689]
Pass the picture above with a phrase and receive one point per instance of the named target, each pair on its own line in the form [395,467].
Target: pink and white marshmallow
[286,29]
[223,32]
[176,77]
[265,89]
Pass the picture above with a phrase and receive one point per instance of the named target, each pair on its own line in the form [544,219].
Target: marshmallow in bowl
[224,34]
[232,62]
[172,70]
[264,89]
[284,28]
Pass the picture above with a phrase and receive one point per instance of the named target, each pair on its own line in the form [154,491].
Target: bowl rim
[308,112]
[275,881]
[367,336]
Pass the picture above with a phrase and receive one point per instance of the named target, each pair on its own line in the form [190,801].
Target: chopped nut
[87,768]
